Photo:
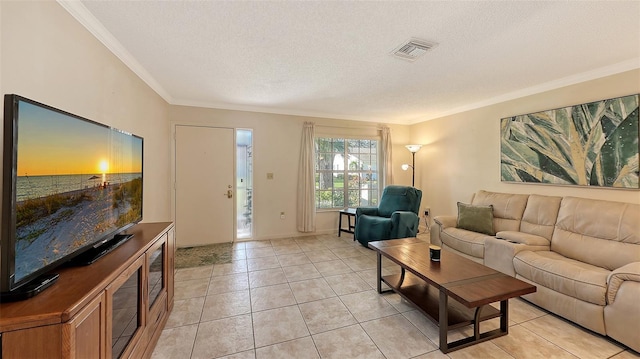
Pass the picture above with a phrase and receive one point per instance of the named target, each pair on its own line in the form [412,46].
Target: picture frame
[594,144]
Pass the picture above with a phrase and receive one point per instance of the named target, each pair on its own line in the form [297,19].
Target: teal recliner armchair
[395,217]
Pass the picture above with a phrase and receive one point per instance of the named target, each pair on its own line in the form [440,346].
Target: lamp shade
[405,167]
[413,148]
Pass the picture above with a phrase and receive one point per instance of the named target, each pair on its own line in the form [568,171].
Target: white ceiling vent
[413,49]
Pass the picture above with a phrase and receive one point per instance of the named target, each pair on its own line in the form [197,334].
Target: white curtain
[306,181]
[386,168]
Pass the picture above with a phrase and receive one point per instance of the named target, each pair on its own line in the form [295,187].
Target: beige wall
[276,141]
[47,56]
[462,152]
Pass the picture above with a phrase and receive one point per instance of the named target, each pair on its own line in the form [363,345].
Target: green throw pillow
[476,218]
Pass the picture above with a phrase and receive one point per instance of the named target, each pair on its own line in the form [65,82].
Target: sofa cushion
[467,242]
[540,215]
[507,208]
[561,274]
[603,233]
[475,218]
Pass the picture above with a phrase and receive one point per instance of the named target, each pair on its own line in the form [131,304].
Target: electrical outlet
[427,211]
[281,215]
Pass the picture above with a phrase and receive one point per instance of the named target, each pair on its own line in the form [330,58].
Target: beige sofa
[583,255]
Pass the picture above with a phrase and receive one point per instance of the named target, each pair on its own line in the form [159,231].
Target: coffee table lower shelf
[446,312]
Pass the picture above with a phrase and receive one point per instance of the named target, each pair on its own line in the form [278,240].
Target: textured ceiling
[332,58]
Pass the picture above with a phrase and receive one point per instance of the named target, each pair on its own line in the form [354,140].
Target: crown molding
[95,27]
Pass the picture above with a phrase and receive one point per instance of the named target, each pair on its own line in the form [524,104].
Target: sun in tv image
[77,181]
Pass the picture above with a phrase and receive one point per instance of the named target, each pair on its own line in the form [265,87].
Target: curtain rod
[377,127]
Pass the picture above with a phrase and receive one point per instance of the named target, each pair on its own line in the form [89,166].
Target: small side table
[350,213]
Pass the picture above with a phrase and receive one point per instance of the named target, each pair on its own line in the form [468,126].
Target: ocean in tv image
[77,181]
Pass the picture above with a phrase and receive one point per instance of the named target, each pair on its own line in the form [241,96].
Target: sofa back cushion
[540,215]
[507,208]
[602,233]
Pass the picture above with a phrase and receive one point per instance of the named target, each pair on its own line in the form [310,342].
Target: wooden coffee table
[454,292]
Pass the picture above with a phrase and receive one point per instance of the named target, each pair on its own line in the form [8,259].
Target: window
[346,173]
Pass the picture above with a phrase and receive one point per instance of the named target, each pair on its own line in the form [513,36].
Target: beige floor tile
[294,349]
[287,260]
[191,288]
[360,263]
[185,312]
[223,337]
[228,283]
[521,311]
[367,305]
[436,354]
[226,305]
[278,325]
[311,289]
[301,272]
[429,328]
[347,283]
[482,350]
[350,342]
[627,354]
[239,245]
[239,266]
[335,242]
[175,342]
[282,242]
[346,252]
[266,277]
[311,246]
[262,263]
[522,343]
[398,302]
[270,297]
[193,273]
[238,254]
[257,244]
[332,267]
[249,354]
[320,255]
[396,337]
[326,314]
[572,338]
[259,252]
[287,249]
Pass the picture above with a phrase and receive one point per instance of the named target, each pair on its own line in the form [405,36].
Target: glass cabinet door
[157,270]
[124,301]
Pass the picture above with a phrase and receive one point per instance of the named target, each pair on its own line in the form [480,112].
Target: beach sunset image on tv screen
[77,181]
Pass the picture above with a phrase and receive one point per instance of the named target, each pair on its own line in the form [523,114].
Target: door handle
[229,194]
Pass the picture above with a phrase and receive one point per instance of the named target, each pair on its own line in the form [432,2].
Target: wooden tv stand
[81,316]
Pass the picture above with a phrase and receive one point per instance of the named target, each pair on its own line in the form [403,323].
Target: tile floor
[314,297]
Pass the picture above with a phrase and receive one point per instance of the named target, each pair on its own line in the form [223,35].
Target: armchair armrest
[446,221]
[404,224]
[369,211]
[615,279]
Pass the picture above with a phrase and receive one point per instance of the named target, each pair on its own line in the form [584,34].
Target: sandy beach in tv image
[76,182]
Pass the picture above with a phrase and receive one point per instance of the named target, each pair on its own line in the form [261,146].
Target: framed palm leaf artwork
[593,144]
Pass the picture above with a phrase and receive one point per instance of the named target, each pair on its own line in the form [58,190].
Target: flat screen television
[70,189]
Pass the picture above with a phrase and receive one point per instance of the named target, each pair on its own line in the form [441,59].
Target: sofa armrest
[369,211]
[615,279]
[446,221]
[499,253]
[523,238]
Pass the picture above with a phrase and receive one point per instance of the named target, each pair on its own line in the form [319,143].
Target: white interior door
[204,185]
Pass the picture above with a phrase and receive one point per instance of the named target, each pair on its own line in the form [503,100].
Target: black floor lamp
[413,149]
